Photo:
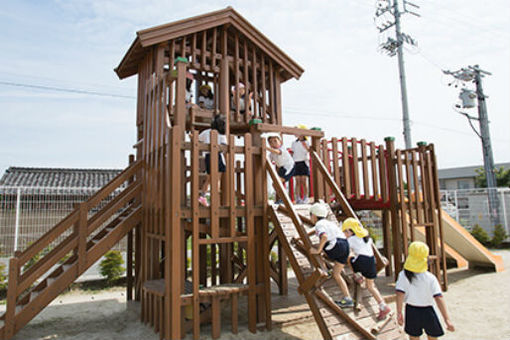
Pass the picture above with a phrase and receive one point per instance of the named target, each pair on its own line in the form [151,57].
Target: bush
[111,266]
[372,232]
[3,277]
[498,236]
[481,235]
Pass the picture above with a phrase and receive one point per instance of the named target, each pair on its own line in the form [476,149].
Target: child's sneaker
[345,303]
[358,278]
[383,313]
[299,201]
[305,200]
[202,200]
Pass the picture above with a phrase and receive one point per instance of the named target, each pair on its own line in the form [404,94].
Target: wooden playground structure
[185,260]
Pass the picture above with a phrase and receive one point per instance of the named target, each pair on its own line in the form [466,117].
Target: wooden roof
[155,35]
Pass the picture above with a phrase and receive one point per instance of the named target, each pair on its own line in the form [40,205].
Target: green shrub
[480,234]
[372,232]
[111,266]
[3,277]
[498,236]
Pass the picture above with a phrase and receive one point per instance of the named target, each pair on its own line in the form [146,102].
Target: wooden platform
[327,312]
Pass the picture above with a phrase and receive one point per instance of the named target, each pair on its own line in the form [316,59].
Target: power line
[69,90]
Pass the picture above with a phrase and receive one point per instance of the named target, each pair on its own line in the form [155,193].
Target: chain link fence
[26,213]
[470,207]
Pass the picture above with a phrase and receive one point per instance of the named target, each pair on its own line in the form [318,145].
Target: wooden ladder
[82,236]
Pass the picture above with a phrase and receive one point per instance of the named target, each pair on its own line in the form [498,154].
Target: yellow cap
[417,257]
[355,226]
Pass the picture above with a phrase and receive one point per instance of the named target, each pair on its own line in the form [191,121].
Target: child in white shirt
[419,288]
[334,244]
[281,157]
[364,260]
[300,149]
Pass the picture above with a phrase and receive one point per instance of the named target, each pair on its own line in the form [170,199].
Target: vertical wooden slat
[355,168]
[172,54]
[383,173]
[318,187]
[255,89]
[424,185]
[195,234]
[272,102]
[373,163]
[216,317]
[180,95]
[82,238]
[234,309]
[335,159]
[263,90]
[405,213]
[346,168]
[183,47]
[278,98]
[364,160]
[236,75]
[326,161]
[215,199]
[251,260]
[418,195]
[12,288]
[213,51]
[203,50]
[410,195]
[246,81]
[193,50]
[231,188]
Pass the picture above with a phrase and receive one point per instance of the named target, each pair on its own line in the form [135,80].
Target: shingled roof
[158,34]
[57,177]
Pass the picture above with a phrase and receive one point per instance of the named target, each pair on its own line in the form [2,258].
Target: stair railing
[83,227]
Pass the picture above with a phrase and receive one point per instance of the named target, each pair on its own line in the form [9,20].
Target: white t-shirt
[299,152]
[205,137]
[208,102]
[332,231]
[359,247]
[421,291]
[284,159]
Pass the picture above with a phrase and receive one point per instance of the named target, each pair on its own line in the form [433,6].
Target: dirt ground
[478,301]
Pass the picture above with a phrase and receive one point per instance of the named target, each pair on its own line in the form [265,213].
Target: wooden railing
[76,241]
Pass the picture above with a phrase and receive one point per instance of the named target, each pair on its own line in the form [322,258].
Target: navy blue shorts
[282,173]
[364,265]
[302,169]
[418,319]
[221,165]
[340,252]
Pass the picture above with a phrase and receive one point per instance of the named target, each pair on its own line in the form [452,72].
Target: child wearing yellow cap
[363,261]
[418,289]
[334,244]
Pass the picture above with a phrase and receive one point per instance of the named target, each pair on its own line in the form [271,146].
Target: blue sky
[348,88]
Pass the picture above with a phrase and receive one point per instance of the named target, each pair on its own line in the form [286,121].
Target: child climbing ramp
[418,289]
[363,261]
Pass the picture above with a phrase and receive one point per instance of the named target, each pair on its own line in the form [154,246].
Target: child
[206,97]
[218,124]
[300,149]
[418,288]
[243,106]
[364,260]
[334,244]
[281,157]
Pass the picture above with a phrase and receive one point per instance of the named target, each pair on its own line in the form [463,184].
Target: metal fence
[26,213]
[470,207]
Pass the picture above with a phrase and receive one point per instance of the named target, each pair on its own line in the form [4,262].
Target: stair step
[67,266]
[33,295]
[50,280]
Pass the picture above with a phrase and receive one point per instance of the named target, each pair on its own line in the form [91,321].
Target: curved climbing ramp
[316,284]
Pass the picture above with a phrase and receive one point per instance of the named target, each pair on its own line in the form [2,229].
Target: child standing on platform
[363,261]
[281,157]
[418,288]
[300,149]
[217,124]
[334,244]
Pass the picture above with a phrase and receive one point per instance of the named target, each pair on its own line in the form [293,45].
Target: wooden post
[82,238]
[224,93]
[392,184]
[180,92]
[129,254]
[12,288]
[318,188]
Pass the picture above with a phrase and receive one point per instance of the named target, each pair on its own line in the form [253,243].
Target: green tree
[480,234]
[498,236]
[502,177]
[3,277]
[111,266]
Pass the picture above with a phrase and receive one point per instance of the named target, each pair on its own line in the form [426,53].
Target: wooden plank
[235,311]
[193,51]
[411,198]
[246,80]
[263,90]
[335,158]
[355,168]
[383,174]
[236,75]
[195,237]
[326,161]
[364,167]
[214,49]
[12,287]
[404,203]
[272,99]
[373,163]
[346,167]
[82,238]
[251,260]
[416,184]
[231,187]
[215,197]
[216,317]
[203,50]
[255,88]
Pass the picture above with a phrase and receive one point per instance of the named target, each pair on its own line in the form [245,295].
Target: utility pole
[391,7]
[475,74]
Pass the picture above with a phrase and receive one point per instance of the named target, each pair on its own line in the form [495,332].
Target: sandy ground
[478,301]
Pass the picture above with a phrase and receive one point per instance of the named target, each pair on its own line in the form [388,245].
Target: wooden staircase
[74,244]
[312,272]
